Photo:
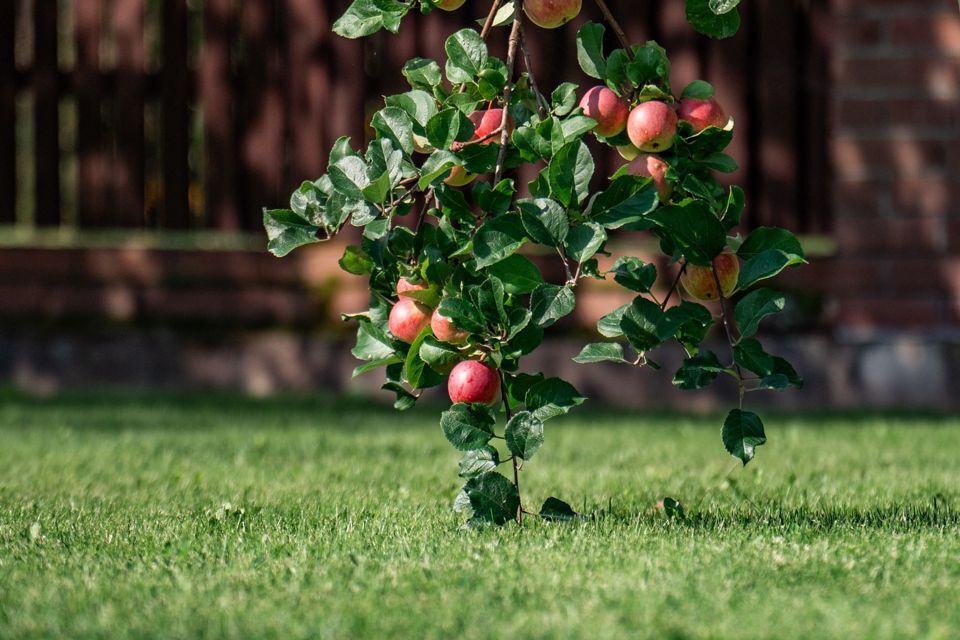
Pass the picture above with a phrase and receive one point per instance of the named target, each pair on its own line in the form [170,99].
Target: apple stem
[542,105]
[513,458]
[511,65]
[726,327]
[617,29]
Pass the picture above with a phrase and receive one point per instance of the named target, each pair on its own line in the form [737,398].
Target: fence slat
[8,113]
[216,93]
[92,188]
[128,168]
[174,95]
[263,121]
[46,114]
[308,86]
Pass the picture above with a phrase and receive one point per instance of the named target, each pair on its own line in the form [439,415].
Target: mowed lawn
[166,516]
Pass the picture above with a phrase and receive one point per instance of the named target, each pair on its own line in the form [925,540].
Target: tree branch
[513,459]
[617,29]
[729,333]
[673,287]
[542,105]
[488,23]
[514,44]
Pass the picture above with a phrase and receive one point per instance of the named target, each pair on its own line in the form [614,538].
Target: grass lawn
[174,517]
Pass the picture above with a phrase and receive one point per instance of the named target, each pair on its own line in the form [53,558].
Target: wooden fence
[176,114]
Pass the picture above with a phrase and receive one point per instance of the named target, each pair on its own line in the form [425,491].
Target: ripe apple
[408,318]
[404,285]
[445,330]
[450,5]
[485,122]
[700,283]
[473,381]
[606,107]
[652,125]
[702,113]
[628,152]
[550,14]
[650,166]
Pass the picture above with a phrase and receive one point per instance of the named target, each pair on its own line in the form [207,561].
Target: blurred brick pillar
[895,115]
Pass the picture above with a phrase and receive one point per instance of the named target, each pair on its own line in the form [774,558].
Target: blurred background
[140,139]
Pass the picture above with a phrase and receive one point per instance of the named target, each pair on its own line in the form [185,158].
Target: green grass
[177,517]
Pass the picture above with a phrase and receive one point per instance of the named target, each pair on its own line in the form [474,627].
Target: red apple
[404,285]
[650,166]
[702,113]
[700,283]
[408,318]
[473,381]
[652,125]
[445,330]
[485,122]
[606,107]
[450,5]
[550,14]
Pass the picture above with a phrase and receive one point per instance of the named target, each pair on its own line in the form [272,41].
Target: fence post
[174,90]
[128,167]
[8,114]
[92,196]
[46,110]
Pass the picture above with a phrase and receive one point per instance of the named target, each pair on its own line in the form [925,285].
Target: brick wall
[895,115]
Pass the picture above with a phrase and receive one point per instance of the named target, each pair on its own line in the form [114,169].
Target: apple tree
[453,298]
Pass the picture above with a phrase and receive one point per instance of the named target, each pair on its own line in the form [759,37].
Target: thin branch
[542,105]
[617,29]
[511,66]
[488,23]
[673,287]
[729,333]
[513,459]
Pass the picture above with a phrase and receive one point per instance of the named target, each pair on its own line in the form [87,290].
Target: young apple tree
[454,300]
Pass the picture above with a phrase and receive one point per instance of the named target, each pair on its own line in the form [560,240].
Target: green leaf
[693,229]
[549,303]
[569,173]
[418,104]
[422,73]
[372,341]
[590,50]
[755,306]
[463,314]
[765,265]
[601,352]
[375,364]
[477,462]
[705,20]
[524,435]
[720,7]
[467,426]
[286,231]
[545,221]
[584,240]
[609,325]
[552,397]
[782,375]
[764,239]
[349,176]
[699,371]
[355,261]
[497,239]
[564,98]
[625,202]
[556,510]
[417,373]
[439,356]
[436,166]
[394,124]
[365,17]
[650,66]
[448,126]
[742,433]
[405,400]
[699,90]
[466,55]
[749,354]
[736,201]
[493,498]
[720,162]
[640,324]
[517,273]
[634,274]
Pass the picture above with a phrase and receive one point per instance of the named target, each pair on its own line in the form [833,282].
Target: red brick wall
[895,112]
